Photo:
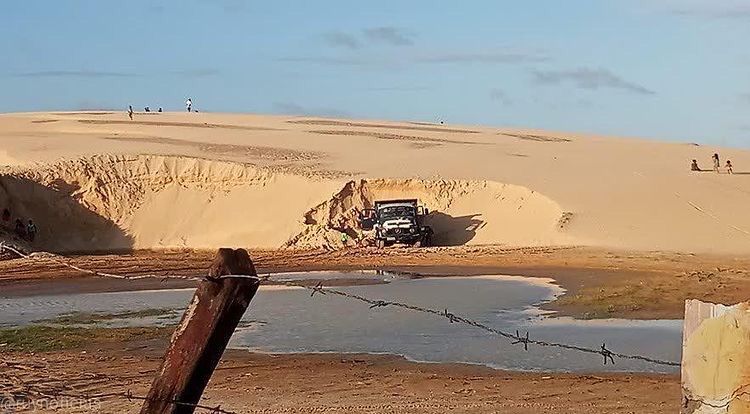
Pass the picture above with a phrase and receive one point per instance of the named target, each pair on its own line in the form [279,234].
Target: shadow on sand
[722,172]
[63,224]
[453,231]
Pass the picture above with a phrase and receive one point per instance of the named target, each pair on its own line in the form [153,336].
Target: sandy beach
[252,383]
[236,207]
[271,182]
[621,224]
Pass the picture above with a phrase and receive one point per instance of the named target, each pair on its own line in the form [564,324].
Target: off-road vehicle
[397,221]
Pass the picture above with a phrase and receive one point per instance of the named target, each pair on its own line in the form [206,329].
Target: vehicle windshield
[389,213]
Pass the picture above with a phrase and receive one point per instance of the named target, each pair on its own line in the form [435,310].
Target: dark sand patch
[316,170]
[368,125]
[175,124]
[257,152]
[83,113]
[421,142]
[537,138]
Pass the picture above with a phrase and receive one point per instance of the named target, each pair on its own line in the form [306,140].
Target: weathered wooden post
[201,337]
[716,358]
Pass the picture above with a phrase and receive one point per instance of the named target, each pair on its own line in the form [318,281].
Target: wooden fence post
[201,337]
[716,358]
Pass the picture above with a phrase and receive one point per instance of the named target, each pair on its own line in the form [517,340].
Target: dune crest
[151,201]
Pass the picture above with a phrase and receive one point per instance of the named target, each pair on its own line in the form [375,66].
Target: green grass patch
[88,318]
[40,338]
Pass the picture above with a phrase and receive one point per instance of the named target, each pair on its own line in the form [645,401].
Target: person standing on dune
[130,112]
[717,163]
[189,104]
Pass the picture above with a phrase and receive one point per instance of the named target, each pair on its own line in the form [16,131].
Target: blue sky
[672,69]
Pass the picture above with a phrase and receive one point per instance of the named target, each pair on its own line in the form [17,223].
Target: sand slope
[251,180]
[152,201]
[461,212]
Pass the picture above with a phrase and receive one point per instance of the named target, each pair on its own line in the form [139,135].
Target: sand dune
[149,201]
[95,180]
[109,202]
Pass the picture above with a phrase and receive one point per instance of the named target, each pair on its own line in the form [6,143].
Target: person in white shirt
[189,105]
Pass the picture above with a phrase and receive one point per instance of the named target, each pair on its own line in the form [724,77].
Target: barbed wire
[516,338]
[5,246]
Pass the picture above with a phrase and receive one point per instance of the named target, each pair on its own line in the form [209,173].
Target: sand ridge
[254,152]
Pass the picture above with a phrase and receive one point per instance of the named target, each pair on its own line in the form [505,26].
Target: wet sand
[253,383]
[598,283]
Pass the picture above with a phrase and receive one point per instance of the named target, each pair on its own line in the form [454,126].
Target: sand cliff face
[461,211]
[150,201]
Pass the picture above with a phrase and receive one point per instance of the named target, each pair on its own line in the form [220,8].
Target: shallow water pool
[282,319]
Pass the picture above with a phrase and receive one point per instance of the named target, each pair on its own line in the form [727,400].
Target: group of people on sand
[717,165]
[24,232]
[145,109]
[188,106]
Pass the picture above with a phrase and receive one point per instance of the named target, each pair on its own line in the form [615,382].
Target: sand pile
[148,201]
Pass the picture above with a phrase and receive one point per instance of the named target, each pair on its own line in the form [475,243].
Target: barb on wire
[606,353]
[522,340]
[379,304]
[317,289]
[451,317]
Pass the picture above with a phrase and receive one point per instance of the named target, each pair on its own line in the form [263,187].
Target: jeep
[397,221]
